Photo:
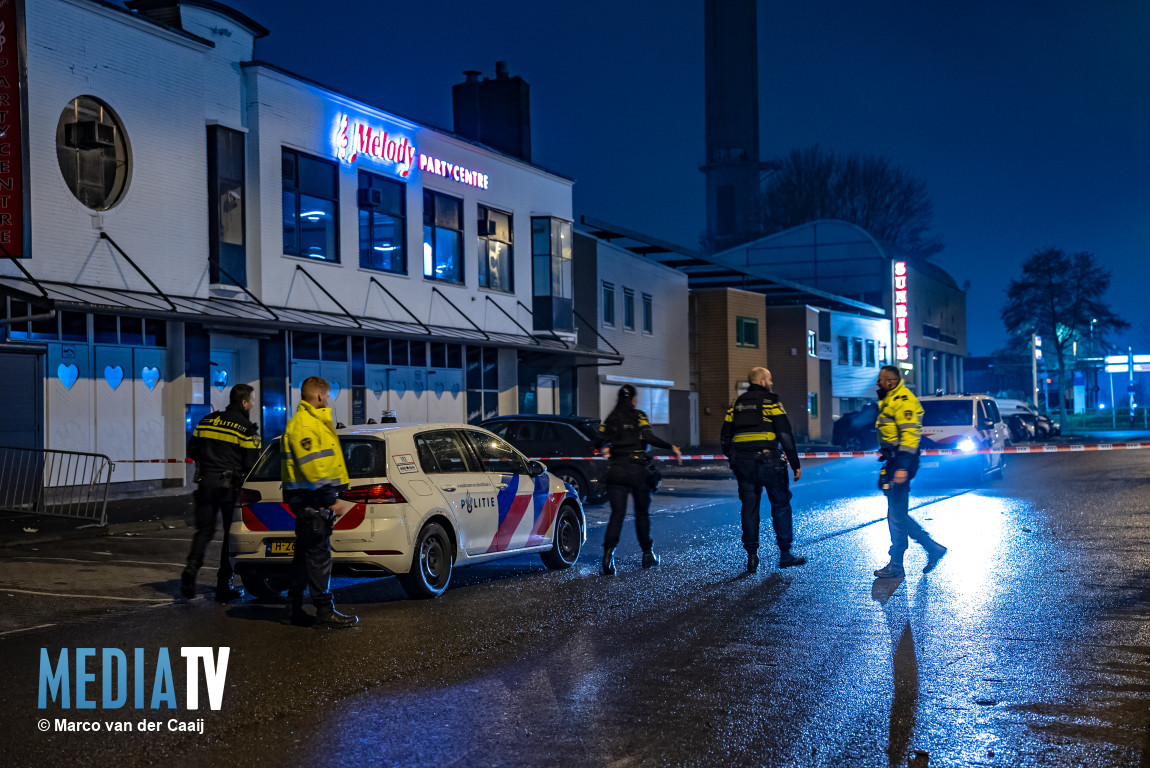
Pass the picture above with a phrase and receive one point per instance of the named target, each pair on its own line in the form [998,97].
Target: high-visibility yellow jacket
[310,455]
[899,424]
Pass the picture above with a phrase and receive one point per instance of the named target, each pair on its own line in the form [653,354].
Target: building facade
[199,219]
[638,308]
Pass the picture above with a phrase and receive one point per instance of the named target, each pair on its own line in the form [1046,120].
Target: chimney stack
[494,112]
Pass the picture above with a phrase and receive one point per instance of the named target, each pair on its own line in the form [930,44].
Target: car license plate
[281,548]
[929,464]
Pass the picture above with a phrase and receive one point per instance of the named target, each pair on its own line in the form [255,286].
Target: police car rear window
[364,458]
[947,413]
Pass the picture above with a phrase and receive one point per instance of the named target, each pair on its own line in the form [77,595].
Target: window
[311,207]
[227,257]
[442,237]
[495,239]
[648,314]
[107,329]
[856,352]
[552,274]
[746,332]
[844,351]
[497,456]
[481,378]
[812,344]
[382,223]
[609,304]
[93,153]
[882,353]
[628,309]
[443,451]
[870,356]
[813,403]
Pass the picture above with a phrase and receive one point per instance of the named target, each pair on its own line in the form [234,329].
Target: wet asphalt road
[1029,645]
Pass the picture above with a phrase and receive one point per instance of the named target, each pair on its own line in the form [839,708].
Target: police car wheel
[431,568]
[568,540]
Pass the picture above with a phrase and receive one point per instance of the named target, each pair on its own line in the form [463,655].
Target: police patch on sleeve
[306,443]
[909,414]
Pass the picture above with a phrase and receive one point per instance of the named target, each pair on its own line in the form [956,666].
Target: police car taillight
[380,493]
[247,496]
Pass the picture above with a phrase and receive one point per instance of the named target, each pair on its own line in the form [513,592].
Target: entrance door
[445,396]
[547,394]
[22,374]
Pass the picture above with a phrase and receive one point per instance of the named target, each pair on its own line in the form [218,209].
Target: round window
[93,152]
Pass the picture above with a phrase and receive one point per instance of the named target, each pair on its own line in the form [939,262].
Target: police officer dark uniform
[313,473]
[225,446]
[753,429]
[899,427]
[628,432]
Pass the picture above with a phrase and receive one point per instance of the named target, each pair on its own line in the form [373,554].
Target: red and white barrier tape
[1045,448]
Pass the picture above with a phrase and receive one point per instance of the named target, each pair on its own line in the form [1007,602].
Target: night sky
[1028,121]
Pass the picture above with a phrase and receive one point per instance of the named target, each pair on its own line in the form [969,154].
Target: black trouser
[212,498]
[626,477]
[755,471]
[311,563]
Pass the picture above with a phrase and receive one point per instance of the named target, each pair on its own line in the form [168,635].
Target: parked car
[1042,426]
[559,436]
[965,424]
[1021,429]
[855,431]
[425,499]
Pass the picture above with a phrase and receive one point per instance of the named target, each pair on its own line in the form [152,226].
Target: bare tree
[810,184]
[1059,297]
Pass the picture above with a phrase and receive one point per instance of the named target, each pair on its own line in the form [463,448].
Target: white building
[196,219]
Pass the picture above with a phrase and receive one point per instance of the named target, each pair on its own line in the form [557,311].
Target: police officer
[899,426]
[753,429]
[628,432]
[313,473]
[225,446]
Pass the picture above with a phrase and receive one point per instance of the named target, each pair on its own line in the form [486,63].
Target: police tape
[1046,448]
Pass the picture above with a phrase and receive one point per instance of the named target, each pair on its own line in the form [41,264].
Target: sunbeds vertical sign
[901,330]
[11,130]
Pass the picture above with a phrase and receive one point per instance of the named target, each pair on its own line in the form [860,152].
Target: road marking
[860,526]
[26,629]
[97,562]
[159,600]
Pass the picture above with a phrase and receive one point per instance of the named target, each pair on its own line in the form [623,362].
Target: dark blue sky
[1029,121]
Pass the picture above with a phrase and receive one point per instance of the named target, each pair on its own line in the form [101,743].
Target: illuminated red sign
[429,164]
[11,132]
[354,138]
[901,333]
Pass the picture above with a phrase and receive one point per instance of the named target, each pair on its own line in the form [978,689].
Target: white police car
[424,499]
[965,424]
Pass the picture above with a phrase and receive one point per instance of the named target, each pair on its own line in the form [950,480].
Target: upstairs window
[746,332]
[442,237]
[628,309]
[812,344]
[93,152]
[227,255]
[495,239]
[382,223]
[648,314]
[609,304]
[311,207]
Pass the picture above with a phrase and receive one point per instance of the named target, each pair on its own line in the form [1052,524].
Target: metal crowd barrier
[58,483]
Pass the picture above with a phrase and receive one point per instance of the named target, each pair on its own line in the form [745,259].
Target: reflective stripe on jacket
[899,421]
[310,454]
[756,421]
[225,441]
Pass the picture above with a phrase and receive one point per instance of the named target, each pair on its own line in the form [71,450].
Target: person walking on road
[899,427]
[225,446]
[755,427]
[627,431]
[313,473]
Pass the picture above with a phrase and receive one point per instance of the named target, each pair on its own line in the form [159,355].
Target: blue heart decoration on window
[67,374]
[150,376]
[113,374]
[334,389]
[219,379]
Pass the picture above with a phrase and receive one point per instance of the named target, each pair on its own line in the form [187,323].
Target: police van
[423,500]
[965,425]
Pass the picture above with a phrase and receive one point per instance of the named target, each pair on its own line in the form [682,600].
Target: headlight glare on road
[967,446]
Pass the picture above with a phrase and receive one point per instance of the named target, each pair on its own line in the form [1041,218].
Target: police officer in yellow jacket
[313,473]
[225,446]
[899,427]
[754,428]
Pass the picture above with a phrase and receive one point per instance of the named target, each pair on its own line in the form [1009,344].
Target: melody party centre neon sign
[901,335]
[355,140]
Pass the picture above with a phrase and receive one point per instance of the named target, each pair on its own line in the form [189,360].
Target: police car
[965,424]
[423,500]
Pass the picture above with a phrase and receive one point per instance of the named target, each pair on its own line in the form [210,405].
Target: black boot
[225,592]
[188,582]
[788,560]
[752,562]
[608,561]
[650,559]
[330,618]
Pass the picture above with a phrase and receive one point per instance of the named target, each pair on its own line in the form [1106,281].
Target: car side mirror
[985,424]
[536,468]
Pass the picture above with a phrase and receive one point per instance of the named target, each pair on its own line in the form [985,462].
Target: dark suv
[855,431]
[546,436]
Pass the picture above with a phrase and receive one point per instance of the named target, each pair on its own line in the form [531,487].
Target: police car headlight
[967,446]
